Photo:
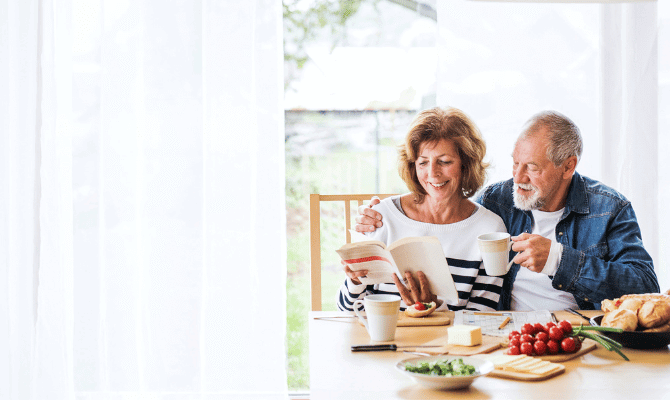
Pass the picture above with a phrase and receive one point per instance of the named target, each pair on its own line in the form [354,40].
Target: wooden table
[337,373]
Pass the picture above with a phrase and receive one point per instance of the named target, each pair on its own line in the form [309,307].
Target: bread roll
[662,328]
[653,314]
[411,311]
[646,297]
[632,304]
[608,305]
[621,318]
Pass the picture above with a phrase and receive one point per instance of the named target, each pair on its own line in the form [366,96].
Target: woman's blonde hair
[433,125]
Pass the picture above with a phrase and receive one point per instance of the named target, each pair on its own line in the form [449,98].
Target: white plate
[482,367]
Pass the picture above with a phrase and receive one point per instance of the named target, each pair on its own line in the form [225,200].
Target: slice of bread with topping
[419,310]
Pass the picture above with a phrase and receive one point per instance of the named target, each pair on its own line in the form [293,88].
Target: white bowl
[482,367]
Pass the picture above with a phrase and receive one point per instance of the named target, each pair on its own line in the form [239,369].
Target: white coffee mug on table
[382,315]
[494,248]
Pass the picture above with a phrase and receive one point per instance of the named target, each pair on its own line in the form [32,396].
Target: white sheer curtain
[630,113]
[142,228]
[596,63]
[36,255]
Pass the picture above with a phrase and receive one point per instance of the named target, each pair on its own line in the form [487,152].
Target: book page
[425,254]
[372,256]
[415,241]
[357,236]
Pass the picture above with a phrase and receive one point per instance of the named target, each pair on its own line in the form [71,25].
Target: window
[363,81]
[352,87]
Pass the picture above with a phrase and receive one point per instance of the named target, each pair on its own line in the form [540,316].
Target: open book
[408,254]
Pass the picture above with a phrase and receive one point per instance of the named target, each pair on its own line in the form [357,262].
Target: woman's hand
[414,293]
[354,275]
[368,220]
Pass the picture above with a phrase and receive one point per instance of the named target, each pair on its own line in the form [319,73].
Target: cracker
[551,367]
[523,366]
[518,362]
[501,360]
[532,367]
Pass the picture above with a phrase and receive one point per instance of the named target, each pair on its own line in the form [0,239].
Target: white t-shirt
[532,290]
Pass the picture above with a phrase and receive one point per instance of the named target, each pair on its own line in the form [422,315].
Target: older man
[577,241]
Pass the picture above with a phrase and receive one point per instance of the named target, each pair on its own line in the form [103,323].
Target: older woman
[442,164]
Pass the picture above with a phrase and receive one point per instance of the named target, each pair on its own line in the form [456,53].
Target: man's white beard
[534,202]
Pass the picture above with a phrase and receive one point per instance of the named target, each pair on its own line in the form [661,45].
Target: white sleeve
[349,293]
[554,259]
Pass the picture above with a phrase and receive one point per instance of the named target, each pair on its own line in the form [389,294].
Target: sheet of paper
[490,321]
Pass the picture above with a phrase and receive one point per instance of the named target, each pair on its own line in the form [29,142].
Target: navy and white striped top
[476,290]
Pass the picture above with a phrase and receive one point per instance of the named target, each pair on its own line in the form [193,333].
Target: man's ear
[569,167]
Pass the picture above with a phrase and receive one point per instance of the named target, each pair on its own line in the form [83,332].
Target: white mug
[494,248]
[382,315]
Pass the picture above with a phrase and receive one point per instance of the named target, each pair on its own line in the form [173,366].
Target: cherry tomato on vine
[556,334]
[538,327]
[527,328]
[527,338]
[514,342]
[513,351]
[568,345]
[549,325]
[540,347]
[565,326]
[526,348]
[553,347]
[513,333]
[542,337]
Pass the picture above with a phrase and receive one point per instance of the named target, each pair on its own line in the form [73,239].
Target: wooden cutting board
[489,344]
[522,376]
[587,345]
[436,318]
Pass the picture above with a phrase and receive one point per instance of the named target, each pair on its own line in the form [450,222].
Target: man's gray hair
[565,140]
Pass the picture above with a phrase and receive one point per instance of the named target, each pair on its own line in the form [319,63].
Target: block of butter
[464,335]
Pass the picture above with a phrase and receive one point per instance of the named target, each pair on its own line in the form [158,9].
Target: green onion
[598,328]
[607,342]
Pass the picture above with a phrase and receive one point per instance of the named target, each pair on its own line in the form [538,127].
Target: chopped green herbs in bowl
[443,367]
[445,372]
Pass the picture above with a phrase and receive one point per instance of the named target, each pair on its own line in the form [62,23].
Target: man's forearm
[593,279]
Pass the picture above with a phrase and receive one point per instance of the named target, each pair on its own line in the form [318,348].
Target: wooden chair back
[315,201]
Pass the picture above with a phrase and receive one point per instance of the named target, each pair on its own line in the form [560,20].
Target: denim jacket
[603,256]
